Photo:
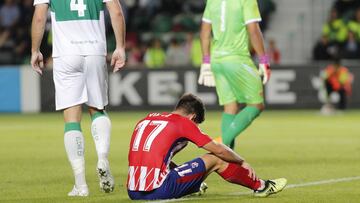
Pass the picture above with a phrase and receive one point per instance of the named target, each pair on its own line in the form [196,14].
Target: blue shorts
[181,181]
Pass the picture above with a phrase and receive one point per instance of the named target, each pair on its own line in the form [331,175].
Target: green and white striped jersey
[78,27]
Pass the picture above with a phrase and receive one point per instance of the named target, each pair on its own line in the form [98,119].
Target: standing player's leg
[228,116]
[226,98]
[241,121]
[343,99]
[97,89]
[74,145]
[246,85]
[70,94]
[101,133]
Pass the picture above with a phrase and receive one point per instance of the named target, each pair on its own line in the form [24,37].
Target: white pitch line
[321,182]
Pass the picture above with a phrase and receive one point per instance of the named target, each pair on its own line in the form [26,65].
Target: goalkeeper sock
[241,121]
[239,175]
[74,146]
[226,120]
[100,130]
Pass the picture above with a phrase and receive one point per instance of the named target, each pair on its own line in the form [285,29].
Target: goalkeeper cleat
[106,179]
[82,191]
[271,187]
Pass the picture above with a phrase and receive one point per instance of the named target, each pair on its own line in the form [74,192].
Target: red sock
[239,175]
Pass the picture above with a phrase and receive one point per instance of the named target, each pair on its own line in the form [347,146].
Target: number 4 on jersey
[79,6]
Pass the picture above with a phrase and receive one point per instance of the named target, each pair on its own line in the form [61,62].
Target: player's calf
[241,175]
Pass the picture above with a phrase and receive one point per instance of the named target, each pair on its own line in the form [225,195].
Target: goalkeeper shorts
[237,81]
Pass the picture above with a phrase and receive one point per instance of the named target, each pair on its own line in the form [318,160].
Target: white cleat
[203,188]
[106,179]
[82,191]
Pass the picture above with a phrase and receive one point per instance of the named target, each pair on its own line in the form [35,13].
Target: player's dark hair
[190,103]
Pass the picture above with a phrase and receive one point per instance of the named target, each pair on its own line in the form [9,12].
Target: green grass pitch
[302,146]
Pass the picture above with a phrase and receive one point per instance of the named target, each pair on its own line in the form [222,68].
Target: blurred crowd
[159,32]
[15,22]
[171,39]
[341,33]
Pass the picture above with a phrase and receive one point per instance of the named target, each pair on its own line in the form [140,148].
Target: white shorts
[79,80]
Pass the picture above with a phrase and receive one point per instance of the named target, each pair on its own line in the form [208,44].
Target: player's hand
[264,68]
[118,59]
[206,76]
[37,61]
[252,174]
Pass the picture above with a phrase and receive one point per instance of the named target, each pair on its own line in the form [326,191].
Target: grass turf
[302,146]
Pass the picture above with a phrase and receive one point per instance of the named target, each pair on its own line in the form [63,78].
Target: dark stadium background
[292,30]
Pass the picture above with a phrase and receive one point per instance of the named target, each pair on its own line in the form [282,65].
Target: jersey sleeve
[194,134]
[104,1]
[36,2]
[206,16]
[251,11]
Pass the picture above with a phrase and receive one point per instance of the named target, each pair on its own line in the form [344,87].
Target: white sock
[74,145]
[101,132]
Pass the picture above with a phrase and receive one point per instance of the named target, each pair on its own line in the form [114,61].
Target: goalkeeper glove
[264,68]
[206,76]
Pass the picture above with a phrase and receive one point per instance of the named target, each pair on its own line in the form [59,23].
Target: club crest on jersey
[194,165]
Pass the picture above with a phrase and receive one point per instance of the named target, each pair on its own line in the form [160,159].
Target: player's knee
[260,107]
[93,110]
[231,108]
[213,162]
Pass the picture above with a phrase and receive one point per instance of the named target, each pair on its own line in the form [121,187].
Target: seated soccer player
[159,136]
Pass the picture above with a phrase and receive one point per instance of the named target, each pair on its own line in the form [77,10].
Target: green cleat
[271,187]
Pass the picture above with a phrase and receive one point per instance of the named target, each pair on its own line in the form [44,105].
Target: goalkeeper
[227,62]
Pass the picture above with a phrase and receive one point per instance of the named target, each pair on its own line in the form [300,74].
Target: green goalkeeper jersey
[229,19]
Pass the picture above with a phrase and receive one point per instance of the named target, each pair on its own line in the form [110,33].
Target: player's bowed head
[191,107]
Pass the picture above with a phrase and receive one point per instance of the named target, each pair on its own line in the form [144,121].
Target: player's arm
[205,38]
[206,77]
[256,38]
[223,152]
[193,133]
[118,25]
[252,18]
[37,33]
[257,42]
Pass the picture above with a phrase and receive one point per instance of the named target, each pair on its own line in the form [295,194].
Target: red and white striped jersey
[155,140]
